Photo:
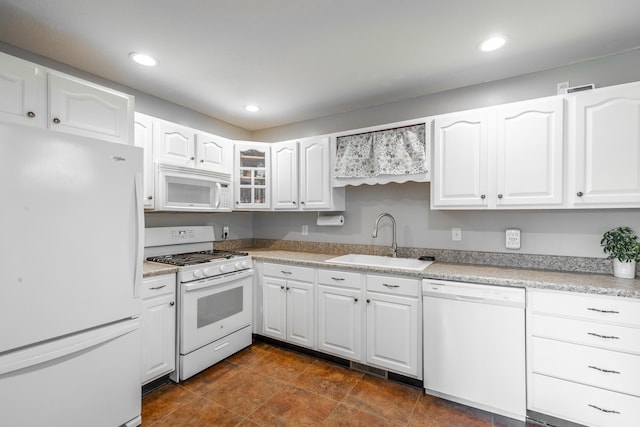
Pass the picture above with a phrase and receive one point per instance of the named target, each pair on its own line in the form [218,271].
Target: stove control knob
[198,274]
[238,266]
[209,271]
[245,264]
[224,268]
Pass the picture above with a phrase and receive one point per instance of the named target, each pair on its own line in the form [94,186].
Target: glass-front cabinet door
[253,170]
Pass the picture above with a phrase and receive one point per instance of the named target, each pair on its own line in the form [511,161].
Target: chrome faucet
[394,245]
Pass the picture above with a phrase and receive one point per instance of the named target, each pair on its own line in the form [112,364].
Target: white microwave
[187,189]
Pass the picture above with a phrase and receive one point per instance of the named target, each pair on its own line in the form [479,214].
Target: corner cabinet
[158,327]
[606,132]
[510,156]
[37,96]
[252,176]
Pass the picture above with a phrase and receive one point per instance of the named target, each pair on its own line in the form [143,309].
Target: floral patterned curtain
[399,151]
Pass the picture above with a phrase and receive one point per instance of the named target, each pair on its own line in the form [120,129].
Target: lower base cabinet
[158,327]
[583,358]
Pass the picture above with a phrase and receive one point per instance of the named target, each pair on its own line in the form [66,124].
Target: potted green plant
[622,246]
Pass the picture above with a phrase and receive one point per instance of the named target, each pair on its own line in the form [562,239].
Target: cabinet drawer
[603,335]
[340,278]
[394,285]
[591,366]
[590,307]
[291,272]
[158,285]
[582,404]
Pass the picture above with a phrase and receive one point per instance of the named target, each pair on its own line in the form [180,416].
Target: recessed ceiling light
[252,108]
[143,59]
[492,43]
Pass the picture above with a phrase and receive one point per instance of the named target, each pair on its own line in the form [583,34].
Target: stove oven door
[213,308]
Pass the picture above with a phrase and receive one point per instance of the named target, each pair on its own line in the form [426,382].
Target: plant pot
[624,270]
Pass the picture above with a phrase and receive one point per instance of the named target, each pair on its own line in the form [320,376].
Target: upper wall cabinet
[606,144]
[37,96]
[252,175]
[510,156]
[143,127]
[184,146]
[301,176]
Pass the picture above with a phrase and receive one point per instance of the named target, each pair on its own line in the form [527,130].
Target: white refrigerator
[71,242]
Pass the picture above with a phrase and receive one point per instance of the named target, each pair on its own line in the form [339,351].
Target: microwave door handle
[218,195]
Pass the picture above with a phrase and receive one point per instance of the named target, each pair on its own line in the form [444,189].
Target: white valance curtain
[397,152]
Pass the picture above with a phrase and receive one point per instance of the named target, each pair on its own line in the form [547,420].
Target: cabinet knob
[237,202]
[368,301]
[499,196]
[201,161]
[56,120]
[579,194]
[302,203]
[193,158]
[149,197]
[294,202]
[281,286]
[288,288]
[31,114]
[355,300]
[172,303]
[482,196]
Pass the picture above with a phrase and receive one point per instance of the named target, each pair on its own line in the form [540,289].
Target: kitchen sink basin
[381,262]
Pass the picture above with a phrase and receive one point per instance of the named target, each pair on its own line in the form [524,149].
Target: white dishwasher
[474,345]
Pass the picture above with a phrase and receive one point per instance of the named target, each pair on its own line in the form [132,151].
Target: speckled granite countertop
[503,276]
[150,269]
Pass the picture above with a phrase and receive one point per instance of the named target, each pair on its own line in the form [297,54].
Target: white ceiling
[303,59]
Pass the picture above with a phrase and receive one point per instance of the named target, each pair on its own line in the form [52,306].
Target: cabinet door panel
[607,133]
[174,144]
[274,308]
[158,337]
[22,90]
[300,314]
[285,175]
[143,126]
[214,153]
[315,182]
[392,333]
[529,151]
[460,160]
[340,322]
[79,108]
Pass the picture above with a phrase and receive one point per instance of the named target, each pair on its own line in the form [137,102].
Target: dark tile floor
[265,385]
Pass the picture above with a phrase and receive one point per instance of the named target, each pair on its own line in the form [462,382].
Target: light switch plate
[512,238]
[456,233]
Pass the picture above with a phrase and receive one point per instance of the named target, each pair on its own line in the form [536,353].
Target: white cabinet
[34,95]
[158,327]
[81,108]
[301,173]
[510,156]
[289,304]
[143,127]
[393,324]
[23,92]
[184,146]
[252,175]
[606,132]
[595,382]
[460,156]
[340,314]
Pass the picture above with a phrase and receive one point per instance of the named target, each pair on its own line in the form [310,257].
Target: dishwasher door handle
[467,298]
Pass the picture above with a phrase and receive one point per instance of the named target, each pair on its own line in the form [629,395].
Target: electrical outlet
[456,233]
[305,230]
[225,231]
[512,238]
[562,88]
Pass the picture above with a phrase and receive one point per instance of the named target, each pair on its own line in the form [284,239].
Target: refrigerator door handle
[64,347]
[139,241]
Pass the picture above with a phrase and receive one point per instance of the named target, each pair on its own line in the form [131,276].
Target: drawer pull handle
[606,371]
[390,286]
[355,300]
[608,337]
[285,272]
[338,279]
[158,287]
[608,411]
[603,311]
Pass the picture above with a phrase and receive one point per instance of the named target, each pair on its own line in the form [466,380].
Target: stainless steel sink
[381,262]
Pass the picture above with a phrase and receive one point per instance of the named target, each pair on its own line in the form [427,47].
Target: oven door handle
[218,280]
